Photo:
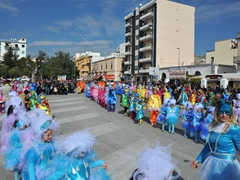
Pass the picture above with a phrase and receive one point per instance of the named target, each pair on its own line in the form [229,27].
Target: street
[119,139]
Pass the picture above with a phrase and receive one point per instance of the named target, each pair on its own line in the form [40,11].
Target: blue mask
[225,109]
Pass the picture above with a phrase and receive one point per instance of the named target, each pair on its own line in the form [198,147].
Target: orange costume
[154,104]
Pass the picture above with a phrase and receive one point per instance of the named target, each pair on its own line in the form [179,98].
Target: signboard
[177,74]
[62,78]
[154,71]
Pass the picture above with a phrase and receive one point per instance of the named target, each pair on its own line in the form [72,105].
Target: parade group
[196,107]
[30,151]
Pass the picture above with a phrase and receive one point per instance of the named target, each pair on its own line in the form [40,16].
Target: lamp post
[178,57]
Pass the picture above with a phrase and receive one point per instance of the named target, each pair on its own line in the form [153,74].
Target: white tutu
[219,169]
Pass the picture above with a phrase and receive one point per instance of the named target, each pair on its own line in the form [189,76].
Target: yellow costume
[142,93]
[193,99]
[154,104]
[166,95]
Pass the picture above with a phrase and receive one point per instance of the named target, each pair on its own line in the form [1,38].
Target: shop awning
[97,77]
[109,77]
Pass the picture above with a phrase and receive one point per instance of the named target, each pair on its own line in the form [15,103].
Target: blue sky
[98,25]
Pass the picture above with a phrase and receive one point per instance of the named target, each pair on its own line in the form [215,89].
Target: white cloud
[216,11]
[70,43]
[7,7]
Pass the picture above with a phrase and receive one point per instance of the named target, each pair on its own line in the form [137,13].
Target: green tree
[10,58]
[60,64]
[36,66]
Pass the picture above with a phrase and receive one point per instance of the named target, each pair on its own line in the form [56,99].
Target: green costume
[124,101]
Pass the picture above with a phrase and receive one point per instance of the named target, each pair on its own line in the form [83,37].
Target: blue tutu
[220,169]
[185,124]
[161,118]
[172,118]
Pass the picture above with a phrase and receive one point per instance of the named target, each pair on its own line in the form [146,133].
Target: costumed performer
[156,164]
[236,107]
[154,104]
[76,152]
[161,118]
[111,100]
[206,121]
[124,102]
[197,121]
[172,115]
[218,156]
[132,101]
[187,117]
[36,160]
[182,98]
[139,111]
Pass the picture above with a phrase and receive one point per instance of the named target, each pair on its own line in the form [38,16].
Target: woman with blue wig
[218,157]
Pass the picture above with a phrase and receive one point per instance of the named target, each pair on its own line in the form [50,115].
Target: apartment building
[19,47]
[223,53]
[83,63]
[159,34]
[236,58]
[110,68]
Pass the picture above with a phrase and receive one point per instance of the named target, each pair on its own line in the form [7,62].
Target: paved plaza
[119,139]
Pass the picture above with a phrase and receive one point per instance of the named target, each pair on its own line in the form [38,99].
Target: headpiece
[183,89]
[238,96]
[155,164]
[172,101]
[166,101]
[198,106]
[16,102]
[76,144]
[188,105]
[136,95]
[224,108]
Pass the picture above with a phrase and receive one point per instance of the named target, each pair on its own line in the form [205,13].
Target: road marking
[65,103]
[69,99]
[124,161]
[95,130]
[68,109]
[77,118]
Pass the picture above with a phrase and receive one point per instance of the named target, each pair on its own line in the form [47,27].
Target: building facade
[19,47]
[83,63]
[110,68]
[223,53]
[159,34]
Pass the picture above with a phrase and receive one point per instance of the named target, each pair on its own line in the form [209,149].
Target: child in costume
[183,98]
[166,94]
[132,101]
[192,97]
[139,111]
[36,160]
[187,117]
[161,118]
[76,152]
[154,104]
[172,115]
[197,121]
[124,102]
[236,107]
[156,164]
[111,99]
[218,156]
[206,122]
[32,102]
[87,90]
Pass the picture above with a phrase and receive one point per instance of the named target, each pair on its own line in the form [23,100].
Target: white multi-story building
[159,34]
[19,47]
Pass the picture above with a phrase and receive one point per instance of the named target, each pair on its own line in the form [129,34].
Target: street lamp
[178,57]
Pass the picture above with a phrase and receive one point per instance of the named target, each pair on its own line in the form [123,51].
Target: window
[23,46]
[23,52]
[106,66]
[111,65]
[101,66]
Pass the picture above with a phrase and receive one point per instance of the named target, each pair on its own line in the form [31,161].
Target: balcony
[128,24]
[84,70]
[146,38]
[127,62]
[145,60]
[146,27]
[127,72]
[128,53]
[128,34]
[236,59]
[145,49]
[143,71]
[128,16]
[146,16]
[129,43]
